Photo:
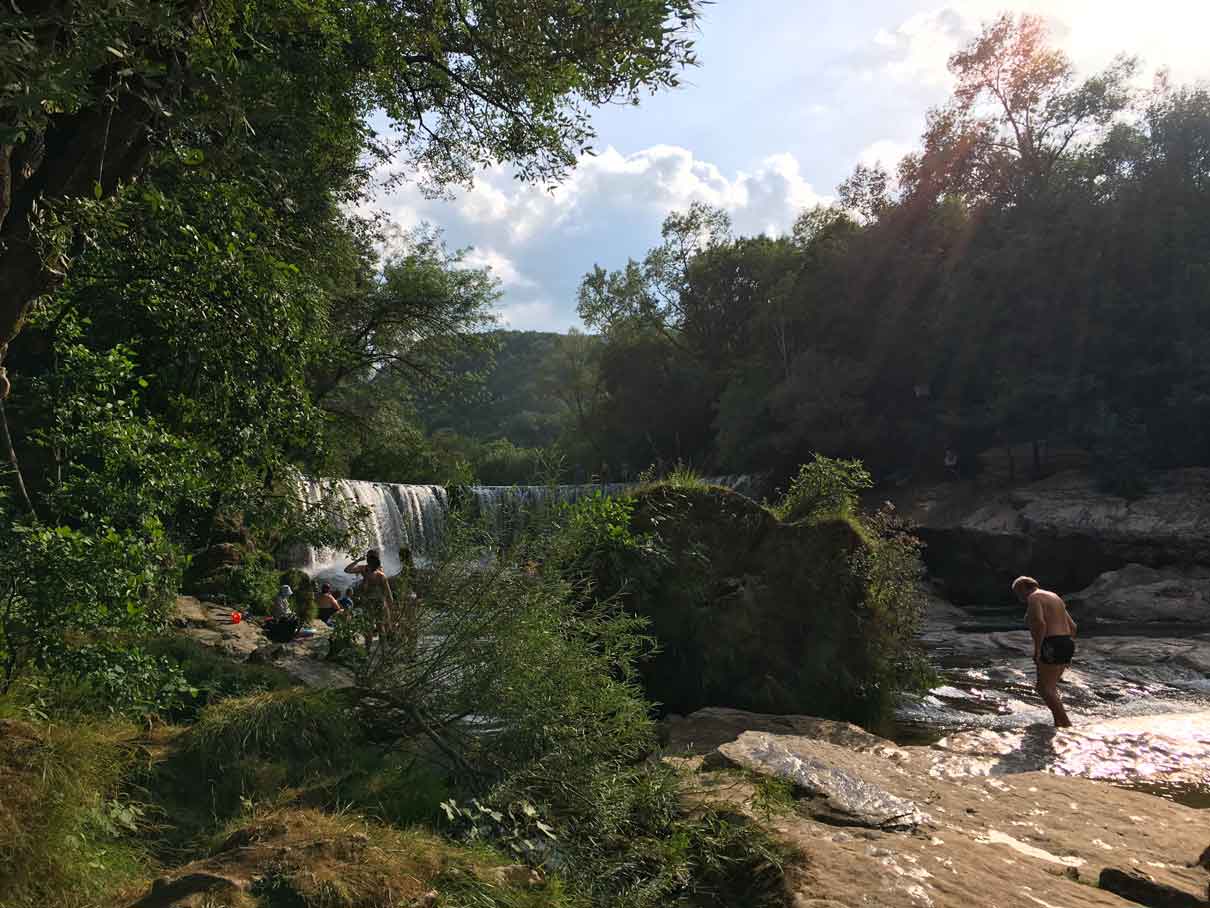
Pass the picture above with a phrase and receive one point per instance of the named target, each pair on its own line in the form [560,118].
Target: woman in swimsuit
[378,601]
[1053,634]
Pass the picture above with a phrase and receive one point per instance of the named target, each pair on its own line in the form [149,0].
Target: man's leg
[1047,686]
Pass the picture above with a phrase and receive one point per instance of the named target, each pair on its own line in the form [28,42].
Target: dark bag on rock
[282,630]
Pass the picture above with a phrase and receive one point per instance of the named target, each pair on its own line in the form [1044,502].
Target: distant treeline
[1039,270]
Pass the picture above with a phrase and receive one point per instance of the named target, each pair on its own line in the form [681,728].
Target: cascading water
[399,515]
[415,515]
[503,508]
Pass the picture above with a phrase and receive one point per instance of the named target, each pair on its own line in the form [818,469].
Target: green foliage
[594,538]
[64,822]
[517,827]
[772,796]
[115,679]
[825,487]
[210,676]
[893,572]
[65,587]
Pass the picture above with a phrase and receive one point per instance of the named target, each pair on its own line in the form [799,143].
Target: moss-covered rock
[754,613]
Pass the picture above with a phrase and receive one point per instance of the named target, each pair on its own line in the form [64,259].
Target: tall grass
[64,825]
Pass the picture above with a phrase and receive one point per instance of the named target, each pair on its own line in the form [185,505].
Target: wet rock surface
[302,658]
[983,655]
[833,793]
[993,841]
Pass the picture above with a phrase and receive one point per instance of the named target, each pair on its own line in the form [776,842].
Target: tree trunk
[11,452]
[105,143]
[79,151]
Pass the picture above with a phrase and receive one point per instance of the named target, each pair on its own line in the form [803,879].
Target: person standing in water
[377,600]
[1053,634]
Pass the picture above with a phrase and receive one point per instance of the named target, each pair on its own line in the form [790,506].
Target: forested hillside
[1033,278]
[1037,271]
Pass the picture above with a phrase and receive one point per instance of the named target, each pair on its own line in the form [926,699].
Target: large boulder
[750,612]
[1138,593]
[1063,530]
[834,793]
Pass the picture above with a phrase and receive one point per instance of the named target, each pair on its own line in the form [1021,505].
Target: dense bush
[825,486]
[63,588]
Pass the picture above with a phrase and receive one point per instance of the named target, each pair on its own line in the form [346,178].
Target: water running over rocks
[1139,697]
[415,515]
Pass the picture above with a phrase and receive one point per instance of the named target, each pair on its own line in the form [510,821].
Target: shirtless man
[1054,634]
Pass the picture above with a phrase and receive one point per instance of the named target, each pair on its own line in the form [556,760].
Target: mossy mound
[751,612]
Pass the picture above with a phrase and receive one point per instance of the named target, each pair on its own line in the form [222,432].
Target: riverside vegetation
[395,794]
[196,313]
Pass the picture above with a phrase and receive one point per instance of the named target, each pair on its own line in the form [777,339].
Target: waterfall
[400,515]
[415,515]
[503,508]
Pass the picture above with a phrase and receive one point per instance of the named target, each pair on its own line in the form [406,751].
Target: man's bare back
[1056,622]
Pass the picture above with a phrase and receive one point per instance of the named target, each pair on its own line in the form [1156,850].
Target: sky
[789,97]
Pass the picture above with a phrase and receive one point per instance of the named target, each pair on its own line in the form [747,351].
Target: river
[1139,697]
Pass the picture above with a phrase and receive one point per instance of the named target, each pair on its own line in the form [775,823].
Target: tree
[91,89]
[1017,110]
[652,295]
[406,328]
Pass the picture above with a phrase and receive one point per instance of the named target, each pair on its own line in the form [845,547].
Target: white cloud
[536,315]
[917,50]
[886,153]
[500,266]
[1164,33]
[540,243]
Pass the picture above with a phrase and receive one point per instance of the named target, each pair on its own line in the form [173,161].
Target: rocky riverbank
[1062,529]
[869,823]
[303,659]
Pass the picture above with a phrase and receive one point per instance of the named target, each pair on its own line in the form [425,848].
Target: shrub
[210,676]
[65,587]
[557,752]
[824,487]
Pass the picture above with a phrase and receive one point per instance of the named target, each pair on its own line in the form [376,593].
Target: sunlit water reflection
[1140,702]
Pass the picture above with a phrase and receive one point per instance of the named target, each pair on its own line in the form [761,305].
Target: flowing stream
[1138,695]
[414,516]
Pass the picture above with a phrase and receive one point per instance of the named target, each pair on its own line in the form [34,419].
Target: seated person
[346,601]
[283,624]
[327,607]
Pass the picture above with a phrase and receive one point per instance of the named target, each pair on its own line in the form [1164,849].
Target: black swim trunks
[1057,650]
